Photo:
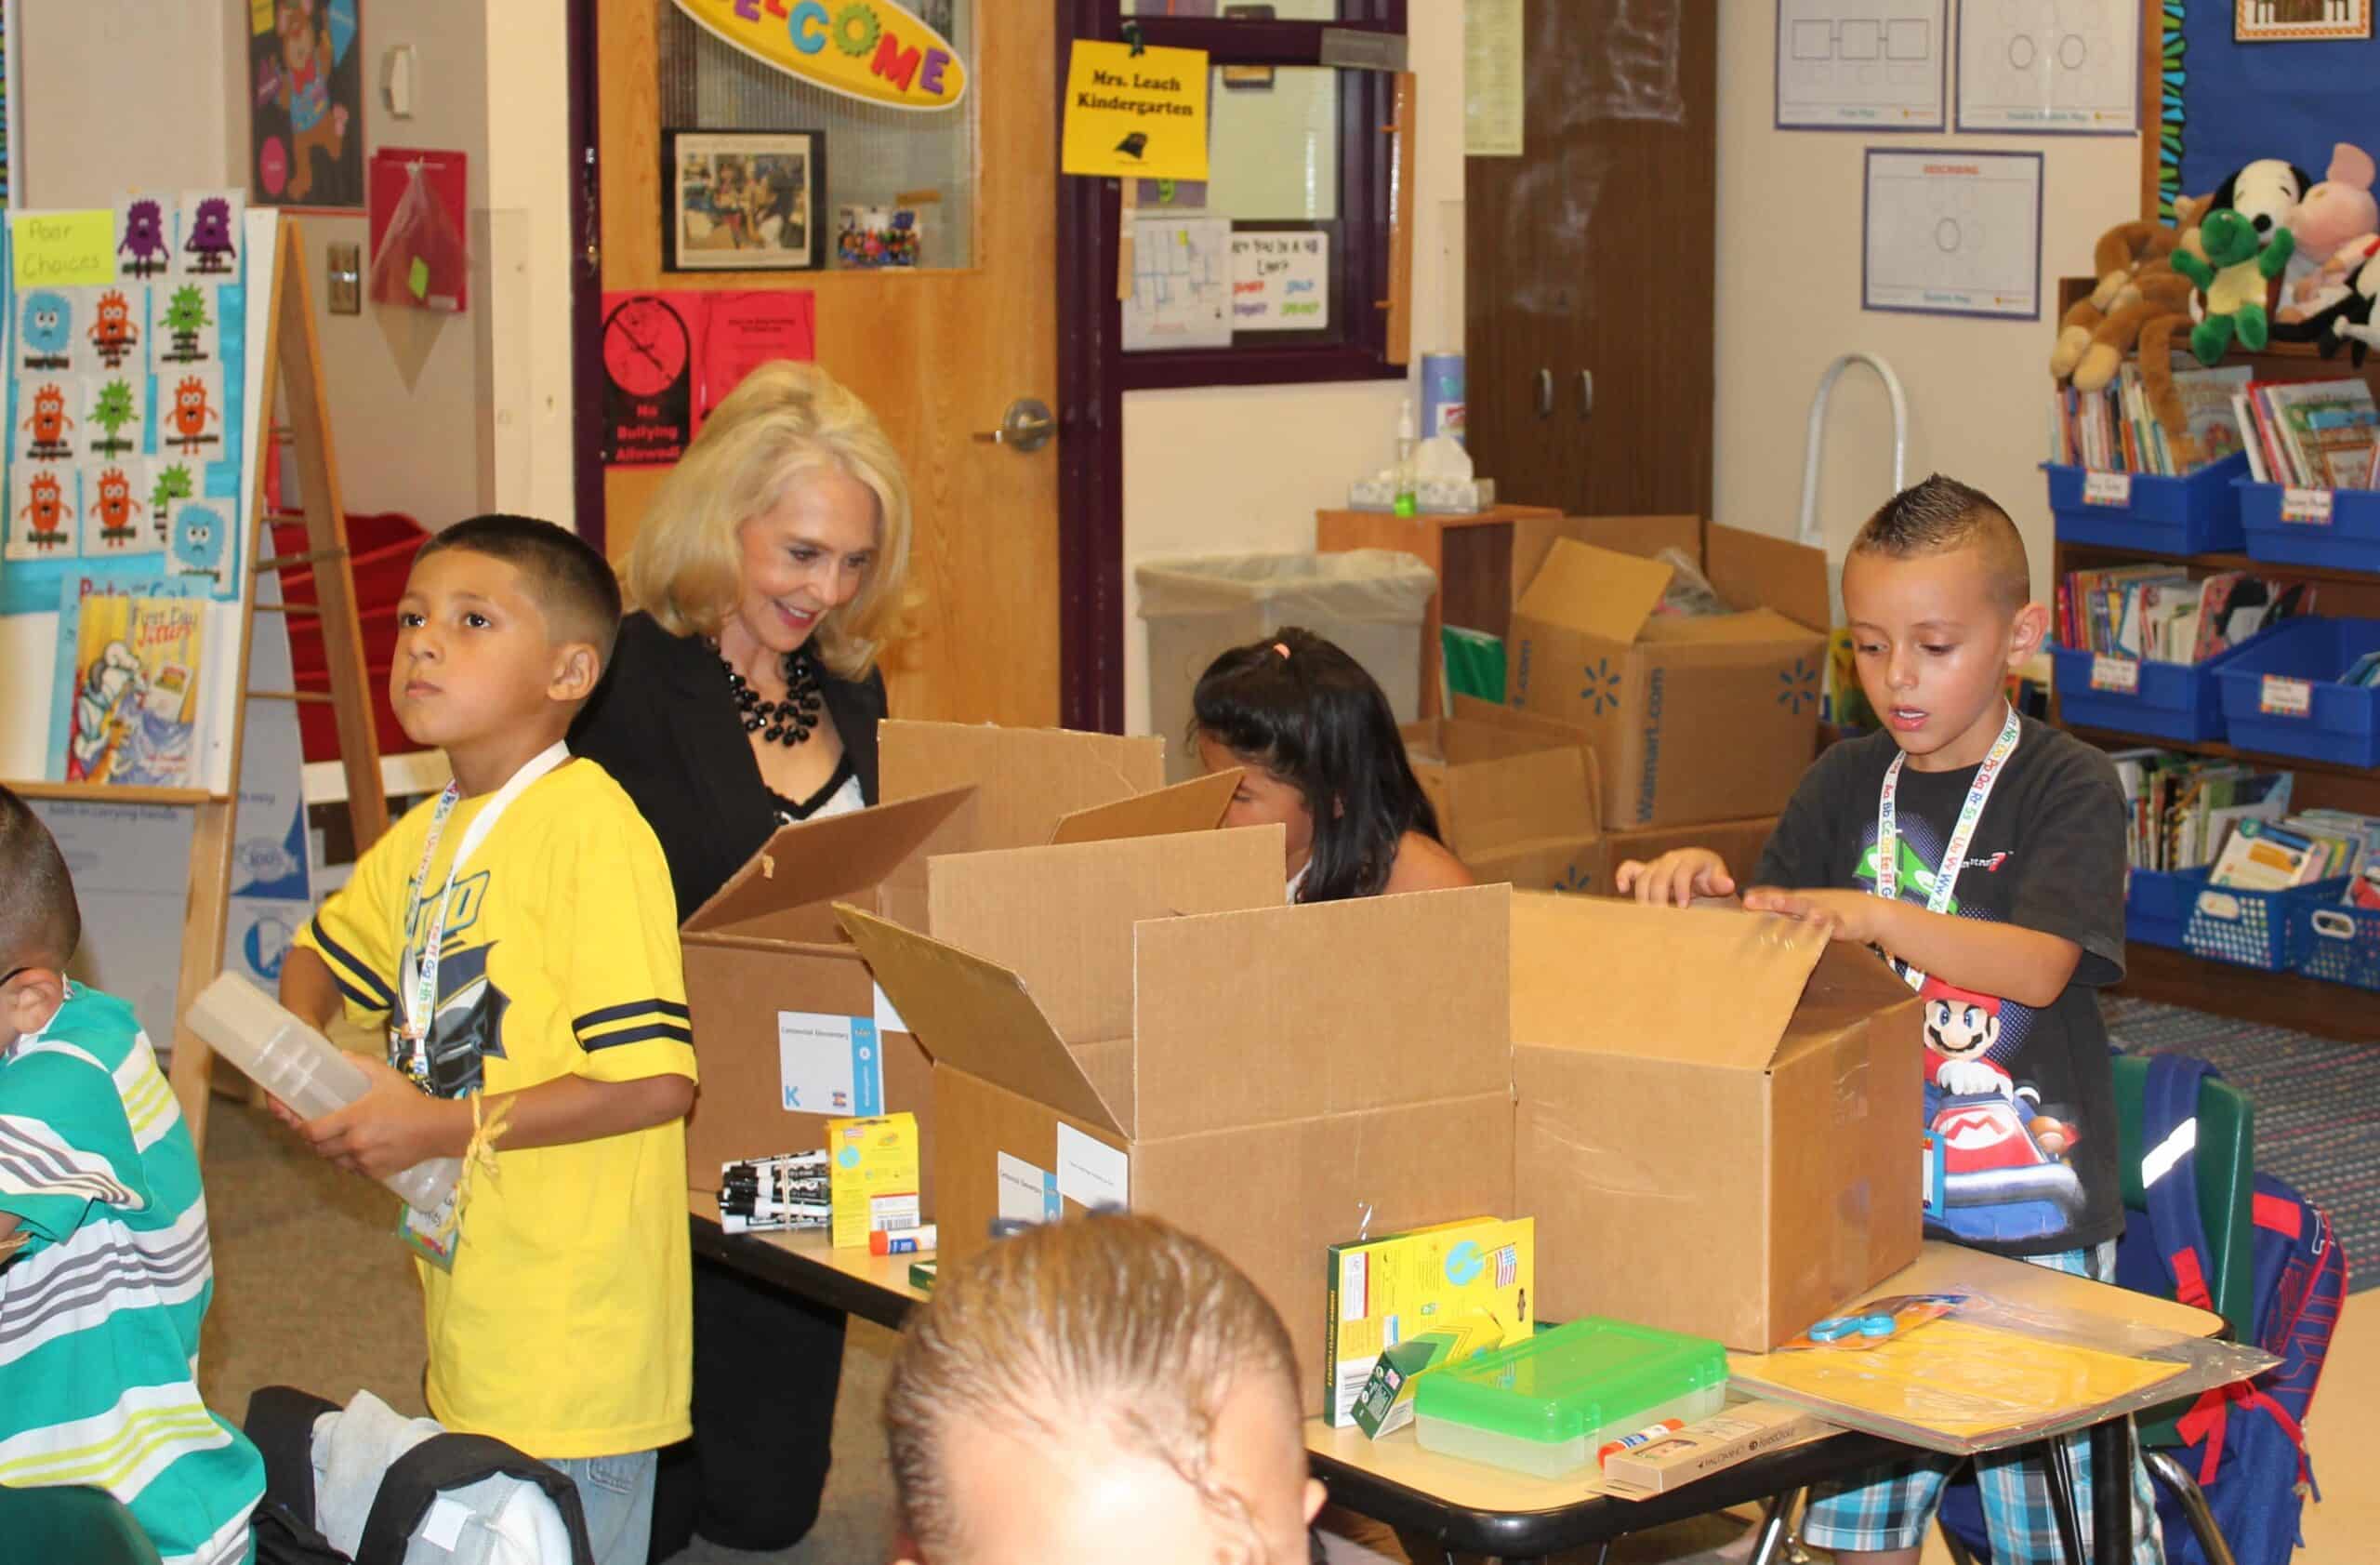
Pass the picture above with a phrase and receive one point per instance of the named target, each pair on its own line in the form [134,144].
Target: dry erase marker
[1641,1436]
[905,1242]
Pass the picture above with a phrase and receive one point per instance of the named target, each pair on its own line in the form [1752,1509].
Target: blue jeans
[616,1493]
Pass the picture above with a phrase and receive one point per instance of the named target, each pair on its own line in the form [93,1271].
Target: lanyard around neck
[1954,855]
[421,997]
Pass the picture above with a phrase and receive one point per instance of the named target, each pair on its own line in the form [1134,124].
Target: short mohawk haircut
[1943,515]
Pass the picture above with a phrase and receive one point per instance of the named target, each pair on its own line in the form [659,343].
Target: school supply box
[1401,1304]
[1694,716]
[1144,1022]
[1514,807]
[1726,1143]
[791,1030]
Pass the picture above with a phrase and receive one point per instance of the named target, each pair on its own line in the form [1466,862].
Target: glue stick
[900,1241]
[1643,1437]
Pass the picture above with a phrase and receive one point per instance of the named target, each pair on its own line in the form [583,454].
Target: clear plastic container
[1544,1406]
[301,1067]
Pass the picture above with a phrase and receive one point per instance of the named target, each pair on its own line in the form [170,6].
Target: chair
[87,1526]
[2227,1172]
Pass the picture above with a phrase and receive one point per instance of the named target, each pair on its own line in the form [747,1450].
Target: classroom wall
[1232,468]
[1789,239]
[480,390]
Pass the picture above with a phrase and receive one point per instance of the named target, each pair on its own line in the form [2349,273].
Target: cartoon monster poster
[127,703]
[306,104]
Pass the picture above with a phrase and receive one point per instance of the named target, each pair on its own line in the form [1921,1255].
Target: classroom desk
[1471,1508]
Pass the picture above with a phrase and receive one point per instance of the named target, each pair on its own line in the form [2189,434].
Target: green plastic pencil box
[1544,1406]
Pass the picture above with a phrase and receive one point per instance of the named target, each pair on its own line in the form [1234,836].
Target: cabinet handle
[1586,393]
[1545,394]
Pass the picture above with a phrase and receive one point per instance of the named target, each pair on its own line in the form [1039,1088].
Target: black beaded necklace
[791,721]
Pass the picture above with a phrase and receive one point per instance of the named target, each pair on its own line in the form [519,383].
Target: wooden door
[1590,254]
[939,355]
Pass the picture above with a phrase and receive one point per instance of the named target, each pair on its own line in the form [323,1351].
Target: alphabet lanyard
[1955,856]
[420,999]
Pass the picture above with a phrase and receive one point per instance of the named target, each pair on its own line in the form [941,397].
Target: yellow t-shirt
[564,1327]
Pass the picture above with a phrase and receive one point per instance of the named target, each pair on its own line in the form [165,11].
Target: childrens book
[2327,429]
[2206,403]
[1384,1292]
[125,703]
[2261,856]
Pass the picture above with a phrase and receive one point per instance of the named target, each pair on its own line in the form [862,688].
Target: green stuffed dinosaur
[2231,277]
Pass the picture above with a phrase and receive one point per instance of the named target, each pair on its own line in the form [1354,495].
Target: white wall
[1227,468]
[1789,239]
[528,197]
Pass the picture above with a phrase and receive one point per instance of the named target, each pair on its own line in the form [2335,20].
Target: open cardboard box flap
[1530,798]
[1196,805]
[1063,916]
[1752,569]
[1710,986]
[782,891]
[975,1015]
[1595,591]
[1029,779]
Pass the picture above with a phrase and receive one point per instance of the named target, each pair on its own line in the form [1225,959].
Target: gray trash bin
[1370,602]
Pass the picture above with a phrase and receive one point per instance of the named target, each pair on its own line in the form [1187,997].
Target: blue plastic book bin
[2337,942]
[2175,701]
[2194,515]
[2157,905]
[2345,537]
[2251,928]
[2281,695]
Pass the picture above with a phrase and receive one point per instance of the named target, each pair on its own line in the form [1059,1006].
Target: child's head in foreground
[1093,1390]
[1939,595]
[1323,758]
[505,628]
[40,924]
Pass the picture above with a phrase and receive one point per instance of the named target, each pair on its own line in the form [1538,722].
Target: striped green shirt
[99,1309]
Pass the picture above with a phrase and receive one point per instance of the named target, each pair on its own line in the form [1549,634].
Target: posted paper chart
[1864,65]
[1953,233]
[1181,284]
[2049,65]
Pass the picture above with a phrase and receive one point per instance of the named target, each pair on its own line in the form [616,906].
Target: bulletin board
[134,360]
[2223,104]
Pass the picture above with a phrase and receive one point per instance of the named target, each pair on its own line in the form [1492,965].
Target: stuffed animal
[2244,243]
[2141,300]
[2351,321]
[2331,226]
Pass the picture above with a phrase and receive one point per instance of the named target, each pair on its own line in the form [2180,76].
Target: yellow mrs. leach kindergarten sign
[869,49]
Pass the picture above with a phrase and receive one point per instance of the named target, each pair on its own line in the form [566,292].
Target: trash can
[1370,602]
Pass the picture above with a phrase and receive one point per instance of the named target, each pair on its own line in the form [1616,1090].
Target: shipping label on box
[872,1166]
[830,1065]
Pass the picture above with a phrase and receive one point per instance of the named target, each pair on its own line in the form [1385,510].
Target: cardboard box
[1738,844]
[1693,719]
[1514,805]
[1744,1432]
[1271,1079]
[1729,1142]
[782,1003]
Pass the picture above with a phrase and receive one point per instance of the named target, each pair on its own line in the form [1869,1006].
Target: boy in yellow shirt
[533,964]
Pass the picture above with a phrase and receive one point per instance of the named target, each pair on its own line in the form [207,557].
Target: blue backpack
[2246,1442]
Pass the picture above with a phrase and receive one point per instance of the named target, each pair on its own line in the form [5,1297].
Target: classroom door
[1589,264]
[943,351]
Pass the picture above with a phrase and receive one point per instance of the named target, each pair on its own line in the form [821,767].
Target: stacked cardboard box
[1514,805]
[1693,719]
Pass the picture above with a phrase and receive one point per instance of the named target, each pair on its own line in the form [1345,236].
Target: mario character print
[2003,1171]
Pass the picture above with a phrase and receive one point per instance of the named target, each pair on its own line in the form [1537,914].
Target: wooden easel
[292,367]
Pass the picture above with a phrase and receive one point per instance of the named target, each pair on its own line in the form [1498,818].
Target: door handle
[1545,394]
[1026,426]
[1586,393]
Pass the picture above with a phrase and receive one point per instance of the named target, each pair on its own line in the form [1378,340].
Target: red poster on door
[671,356]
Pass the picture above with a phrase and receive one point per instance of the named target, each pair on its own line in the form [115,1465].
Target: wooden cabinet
[1589,264]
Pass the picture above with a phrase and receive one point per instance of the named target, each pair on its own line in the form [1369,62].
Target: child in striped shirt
[104,1267]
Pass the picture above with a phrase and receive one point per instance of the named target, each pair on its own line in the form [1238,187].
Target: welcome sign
[873,50]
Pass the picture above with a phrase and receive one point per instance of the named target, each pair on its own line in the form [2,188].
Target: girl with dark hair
[1323,759]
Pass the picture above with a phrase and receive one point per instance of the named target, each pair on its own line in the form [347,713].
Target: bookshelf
[2176,976]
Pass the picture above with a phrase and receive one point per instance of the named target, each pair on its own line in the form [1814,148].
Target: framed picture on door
[741,200]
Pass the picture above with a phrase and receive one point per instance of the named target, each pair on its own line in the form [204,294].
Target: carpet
[2318,1108]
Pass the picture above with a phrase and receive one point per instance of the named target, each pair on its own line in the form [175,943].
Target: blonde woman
[743,694]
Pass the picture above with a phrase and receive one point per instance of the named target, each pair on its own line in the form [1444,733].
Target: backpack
[2246,1443]
[281,1424]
